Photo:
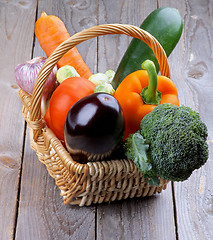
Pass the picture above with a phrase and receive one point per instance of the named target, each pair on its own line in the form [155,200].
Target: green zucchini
[166,25]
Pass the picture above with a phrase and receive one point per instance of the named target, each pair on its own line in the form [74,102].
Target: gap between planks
[19,182]
[174,210]
[23,148]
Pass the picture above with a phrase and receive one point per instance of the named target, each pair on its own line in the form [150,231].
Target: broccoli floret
[166,115]
[176,153]
[177,141]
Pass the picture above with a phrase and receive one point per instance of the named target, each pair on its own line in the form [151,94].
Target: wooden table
[30,203]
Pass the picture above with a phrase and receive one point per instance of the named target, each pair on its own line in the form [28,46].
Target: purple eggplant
[94,127]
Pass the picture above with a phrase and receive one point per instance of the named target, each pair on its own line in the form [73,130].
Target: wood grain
[192,71]
[42,213]
[146,218]
[17,20]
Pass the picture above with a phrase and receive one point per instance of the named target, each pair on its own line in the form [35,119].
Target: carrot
[51,32]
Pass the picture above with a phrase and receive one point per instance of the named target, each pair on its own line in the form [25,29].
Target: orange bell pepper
[140,92]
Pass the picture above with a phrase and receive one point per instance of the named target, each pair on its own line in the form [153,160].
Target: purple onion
[26,74]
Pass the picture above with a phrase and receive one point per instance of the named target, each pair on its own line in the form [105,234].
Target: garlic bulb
[26,74]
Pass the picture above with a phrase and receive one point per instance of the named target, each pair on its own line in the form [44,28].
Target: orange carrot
[51,32]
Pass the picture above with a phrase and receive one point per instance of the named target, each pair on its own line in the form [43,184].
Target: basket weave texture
[93,182]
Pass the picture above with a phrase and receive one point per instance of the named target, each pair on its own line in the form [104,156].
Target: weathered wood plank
[148,218]
[16,31]
[144,218]
[42,214]
[192,71]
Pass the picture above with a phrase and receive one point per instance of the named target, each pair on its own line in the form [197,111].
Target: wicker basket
[94,182]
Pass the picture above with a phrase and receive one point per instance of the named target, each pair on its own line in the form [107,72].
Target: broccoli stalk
[173,143]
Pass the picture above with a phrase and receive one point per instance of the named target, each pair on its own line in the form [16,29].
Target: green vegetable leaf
[152,180]
[137,150]
[140,149]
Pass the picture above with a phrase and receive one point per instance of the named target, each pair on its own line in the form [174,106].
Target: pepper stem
[150,94]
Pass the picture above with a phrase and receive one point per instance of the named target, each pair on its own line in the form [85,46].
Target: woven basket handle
[129,30]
